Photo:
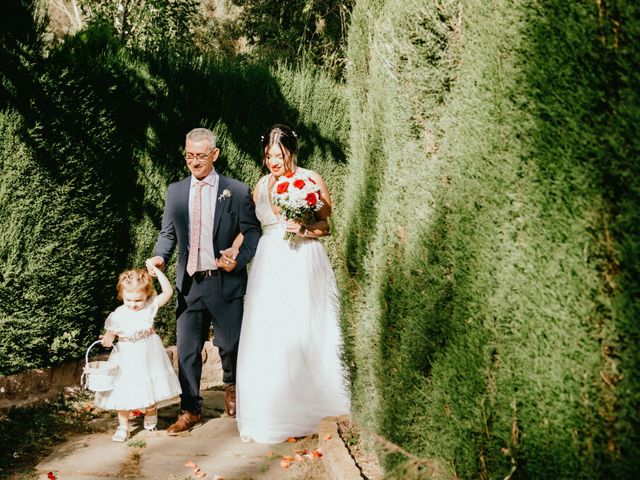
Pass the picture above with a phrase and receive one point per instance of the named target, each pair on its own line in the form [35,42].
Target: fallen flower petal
[190,464]
[285,464]
[51,476]
[291,440]
[317,453]
[327,436]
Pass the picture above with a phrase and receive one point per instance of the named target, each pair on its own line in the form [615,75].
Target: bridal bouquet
[298,197]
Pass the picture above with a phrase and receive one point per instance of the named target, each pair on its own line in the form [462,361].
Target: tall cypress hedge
[91,133]
[490,235]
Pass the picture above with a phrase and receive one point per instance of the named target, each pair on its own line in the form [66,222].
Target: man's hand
[227,260]
[157,262]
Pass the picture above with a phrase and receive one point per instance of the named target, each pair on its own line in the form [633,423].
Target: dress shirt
[206,257]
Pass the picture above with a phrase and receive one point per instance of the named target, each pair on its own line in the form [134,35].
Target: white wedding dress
[289,373]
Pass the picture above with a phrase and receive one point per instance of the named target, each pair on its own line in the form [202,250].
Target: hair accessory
[294,133]
[262,138]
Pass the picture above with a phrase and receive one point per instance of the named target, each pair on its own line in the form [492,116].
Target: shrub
[488,240]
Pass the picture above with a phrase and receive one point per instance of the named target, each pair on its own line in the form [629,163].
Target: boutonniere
[225,194]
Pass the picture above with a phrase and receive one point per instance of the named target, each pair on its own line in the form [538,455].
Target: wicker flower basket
[98,376]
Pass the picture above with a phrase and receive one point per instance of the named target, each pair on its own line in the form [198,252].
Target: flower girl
[145,375]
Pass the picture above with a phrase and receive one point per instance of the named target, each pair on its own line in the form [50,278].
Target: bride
[289,373]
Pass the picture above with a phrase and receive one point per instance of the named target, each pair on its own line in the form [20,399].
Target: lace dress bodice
[263,206]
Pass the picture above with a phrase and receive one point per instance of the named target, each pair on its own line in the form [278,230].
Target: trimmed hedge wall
[490,236]
[90,136]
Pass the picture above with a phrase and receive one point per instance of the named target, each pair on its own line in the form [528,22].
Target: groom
[203,214]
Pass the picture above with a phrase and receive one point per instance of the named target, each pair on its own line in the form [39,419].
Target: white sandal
[121,435]
[150,422]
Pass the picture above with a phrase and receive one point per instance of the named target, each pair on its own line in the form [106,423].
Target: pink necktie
[192,262]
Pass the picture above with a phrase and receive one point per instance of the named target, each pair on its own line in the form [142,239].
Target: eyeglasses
[198,156]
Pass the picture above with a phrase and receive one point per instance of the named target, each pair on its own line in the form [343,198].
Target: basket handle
[86,356]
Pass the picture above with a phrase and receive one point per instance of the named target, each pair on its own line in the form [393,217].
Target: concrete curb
[40,385]
[336,455]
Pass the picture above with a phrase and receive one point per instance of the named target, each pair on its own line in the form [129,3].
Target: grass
[27,435]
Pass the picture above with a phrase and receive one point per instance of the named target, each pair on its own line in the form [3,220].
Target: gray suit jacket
[234,214]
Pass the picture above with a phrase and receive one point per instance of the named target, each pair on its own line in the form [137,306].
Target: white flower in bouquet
[298,197]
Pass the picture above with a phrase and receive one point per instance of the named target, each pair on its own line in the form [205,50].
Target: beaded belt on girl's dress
[139,335]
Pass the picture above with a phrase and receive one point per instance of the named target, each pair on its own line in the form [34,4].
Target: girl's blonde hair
[136,279]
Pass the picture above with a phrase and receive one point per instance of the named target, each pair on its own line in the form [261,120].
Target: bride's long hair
[286,139]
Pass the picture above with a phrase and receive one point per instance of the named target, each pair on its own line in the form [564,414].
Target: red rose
[311,199]
[288,174]
[282,187]
[299,184]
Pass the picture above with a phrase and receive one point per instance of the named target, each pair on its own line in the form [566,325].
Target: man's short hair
[201,134]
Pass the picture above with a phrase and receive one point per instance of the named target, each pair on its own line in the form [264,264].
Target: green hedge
[91,134]
[491,235]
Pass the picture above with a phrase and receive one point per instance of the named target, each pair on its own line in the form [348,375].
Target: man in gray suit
[203,214]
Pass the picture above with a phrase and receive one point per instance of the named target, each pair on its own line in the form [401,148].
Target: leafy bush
[91,134]
[492,203]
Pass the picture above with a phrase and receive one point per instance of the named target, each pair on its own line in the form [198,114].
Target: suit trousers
[201,305]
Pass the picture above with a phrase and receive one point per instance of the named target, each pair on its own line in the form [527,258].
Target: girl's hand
[107,339]
[154,264]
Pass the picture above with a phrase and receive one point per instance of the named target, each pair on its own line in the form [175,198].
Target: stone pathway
[215,447]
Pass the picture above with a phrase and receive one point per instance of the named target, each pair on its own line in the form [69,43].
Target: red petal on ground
[51,476]
[291,440]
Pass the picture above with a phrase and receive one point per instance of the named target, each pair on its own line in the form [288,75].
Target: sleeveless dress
[145,374]
[289,373]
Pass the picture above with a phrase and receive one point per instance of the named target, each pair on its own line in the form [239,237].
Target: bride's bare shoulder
[310,173]
[256,189]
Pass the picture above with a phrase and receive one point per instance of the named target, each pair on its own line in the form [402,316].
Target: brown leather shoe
[186,421]
[230,400]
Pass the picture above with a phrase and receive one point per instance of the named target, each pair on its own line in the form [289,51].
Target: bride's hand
[296,227]
[226,263]
[230,252]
